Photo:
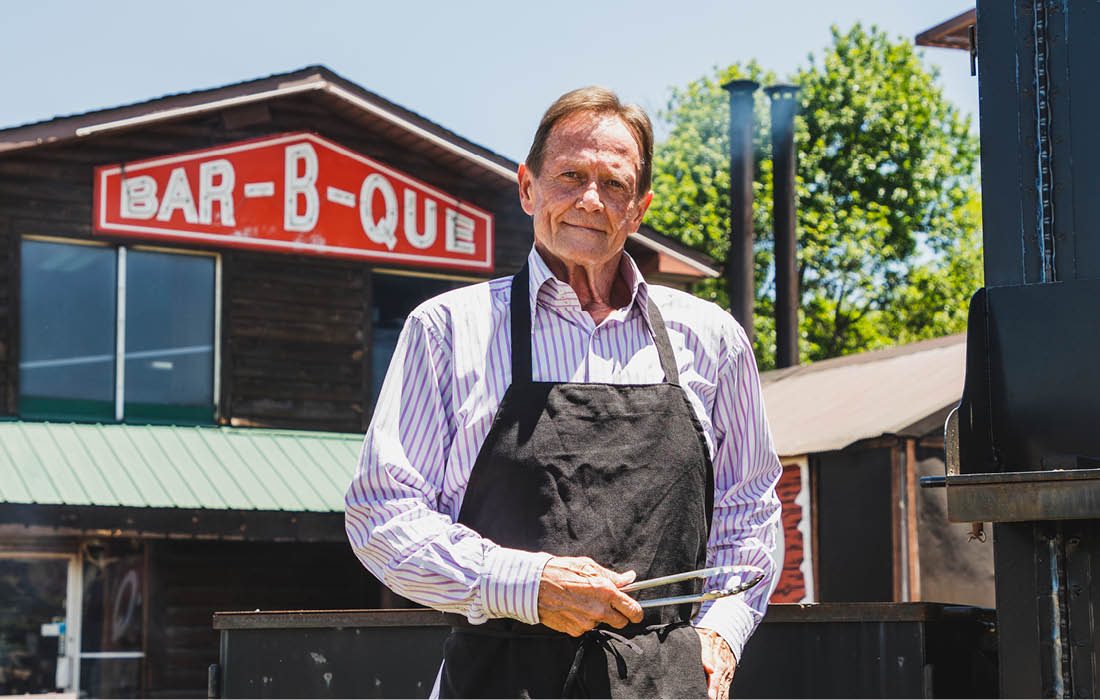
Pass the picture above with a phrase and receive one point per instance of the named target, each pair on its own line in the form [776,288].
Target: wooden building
[199,296]
[855,434]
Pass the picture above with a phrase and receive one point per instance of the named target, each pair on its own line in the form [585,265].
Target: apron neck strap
[521,333]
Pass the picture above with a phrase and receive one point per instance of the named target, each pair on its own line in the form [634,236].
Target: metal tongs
[753,575]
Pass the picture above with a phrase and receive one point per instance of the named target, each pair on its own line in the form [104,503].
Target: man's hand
[576,594]
[718,662]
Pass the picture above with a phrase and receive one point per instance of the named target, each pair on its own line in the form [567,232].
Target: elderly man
[542,441]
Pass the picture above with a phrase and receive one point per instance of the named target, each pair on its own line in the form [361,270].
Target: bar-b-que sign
[295,193]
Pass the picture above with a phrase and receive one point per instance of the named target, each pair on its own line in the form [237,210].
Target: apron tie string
[605,639]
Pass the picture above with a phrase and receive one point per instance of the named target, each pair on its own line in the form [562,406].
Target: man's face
[585,201]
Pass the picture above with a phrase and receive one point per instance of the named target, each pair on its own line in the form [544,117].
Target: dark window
[393,299]
[67,344]
[72,334]
[169,338]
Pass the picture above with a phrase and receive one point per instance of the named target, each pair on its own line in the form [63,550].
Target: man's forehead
[588,132]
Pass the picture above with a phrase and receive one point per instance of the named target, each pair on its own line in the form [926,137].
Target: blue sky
[486,70]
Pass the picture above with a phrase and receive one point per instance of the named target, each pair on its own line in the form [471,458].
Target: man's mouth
[594,229]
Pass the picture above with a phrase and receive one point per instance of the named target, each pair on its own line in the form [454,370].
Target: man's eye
[616,185]
[571,175]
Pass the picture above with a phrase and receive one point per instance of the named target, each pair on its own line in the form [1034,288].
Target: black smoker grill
[864,650]
[1023,447]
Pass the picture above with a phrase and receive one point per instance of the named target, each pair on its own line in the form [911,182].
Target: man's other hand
[576,594]
[718,662]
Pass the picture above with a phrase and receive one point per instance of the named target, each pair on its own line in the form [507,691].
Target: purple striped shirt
[449,372]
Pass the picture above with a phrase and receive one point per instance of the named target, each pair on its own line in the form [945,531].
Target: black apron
[618,473]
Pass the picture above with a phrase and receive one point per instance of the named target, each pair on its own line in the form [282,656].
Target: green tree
[888,207]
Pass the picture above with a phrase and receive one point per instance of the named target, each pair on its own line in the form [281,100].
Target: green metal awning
[118,476]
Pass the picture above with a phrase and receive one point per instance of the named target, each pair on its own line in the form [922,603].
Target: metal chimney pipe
[784,99]
[740,282]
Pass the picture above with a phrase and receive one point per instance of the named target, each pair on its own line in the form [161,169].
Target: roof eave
[655,244]
[950,34]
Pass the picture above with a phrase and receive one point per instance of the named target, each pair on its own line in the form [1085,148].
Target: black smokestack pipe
[740,282]
[784,106]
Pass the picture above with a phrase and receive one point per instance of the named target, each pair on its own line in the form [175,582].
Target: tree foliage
[888,208]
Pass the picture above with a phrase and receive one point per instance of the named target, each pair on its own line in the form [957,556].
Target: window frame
[370,398]
[121,250]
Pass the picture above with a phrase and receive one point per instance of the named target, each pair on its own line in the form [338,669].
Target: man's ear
[526,200]
[643,206]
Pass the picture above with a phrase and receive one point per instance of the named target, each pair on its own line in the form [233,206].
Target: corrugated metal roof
[175,467]
[831,404]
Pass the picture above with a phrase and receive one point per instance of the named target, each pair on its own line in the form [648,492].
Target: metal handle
[740,587]
[933,482]
[709,595]
[684,576]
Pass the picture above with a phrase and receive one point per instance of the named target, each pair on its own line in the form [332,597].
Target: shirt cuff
[732,618]
[510,584]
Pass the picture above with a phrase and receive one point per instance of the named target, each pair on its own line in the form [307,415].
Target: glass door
[36,601]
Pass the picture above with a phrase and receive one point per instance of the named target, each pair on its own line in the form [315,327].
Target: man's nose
[590,198]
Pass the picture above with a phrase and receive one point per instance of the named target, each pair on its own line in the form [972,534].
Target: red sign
[294,193]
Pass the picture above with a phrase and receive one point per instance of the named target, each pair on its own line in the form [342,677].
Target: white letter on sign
[304,185]
[460,233]
[177,195]
[222,193]
[139,197]
[378,230]
[417,239]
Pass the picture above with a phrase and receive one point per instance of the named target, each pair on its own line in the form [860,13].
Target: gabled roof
[344,97]
[903,391]
[316,79]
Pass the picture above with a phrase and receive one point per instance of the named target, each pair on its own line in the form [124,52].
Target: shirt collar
[546,290]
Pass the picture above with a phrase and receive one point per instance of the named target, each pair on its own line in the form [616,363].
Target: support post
[740,281]
[784,105]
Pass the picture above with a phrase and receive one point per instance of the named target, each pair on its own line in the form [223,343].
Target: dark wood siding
[191,580]
[294,329]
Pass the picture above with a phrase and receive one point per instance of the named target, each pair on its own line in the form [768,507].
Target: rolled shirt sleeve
[746,507]
[392,506]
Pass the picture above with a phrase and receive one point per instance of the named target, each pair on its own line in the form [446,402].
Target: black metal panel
[1008,145]
[855,539]
[871,658]
[1030,398]
[389,662]
[949,656]
[1017,614]
[1043,377]
[1036,67]
[1046,624]
[1081,540]
[975,446]
[1082,26]
[1063,94]
[834,660]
